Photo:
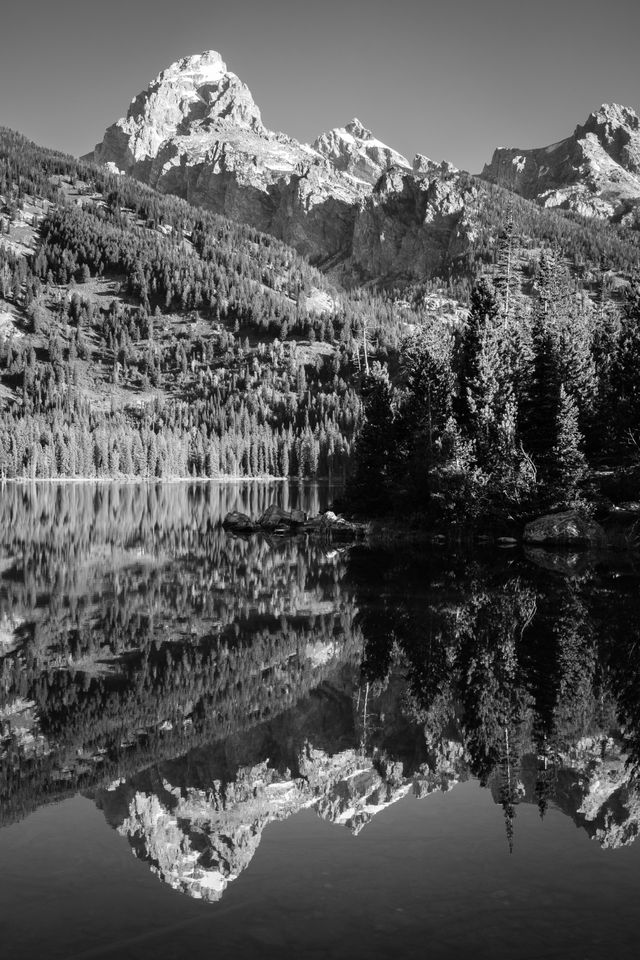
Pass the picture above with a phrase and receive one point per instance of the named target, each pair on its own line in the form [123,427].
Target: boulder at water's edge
[568,528]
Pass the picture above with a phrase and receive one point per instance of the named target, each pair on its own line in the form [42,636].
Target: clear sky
[449,79]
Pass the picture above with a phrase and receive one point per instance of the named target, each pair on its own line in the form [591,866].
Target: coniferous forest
[529,404]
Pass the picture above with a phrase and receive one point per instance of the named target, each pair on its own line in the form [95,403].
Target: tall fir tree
[507,279]
[567,464]
[484,381]
[625,374]
[376,447]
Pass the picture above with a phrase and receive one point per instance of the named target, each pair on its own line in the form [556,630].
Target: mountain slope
[142,334]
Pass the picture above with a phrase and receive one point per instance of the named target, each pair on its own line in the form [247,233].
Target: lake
[280,747]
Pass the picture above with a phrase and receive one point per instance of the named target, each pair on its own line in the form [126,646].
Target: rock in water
[567,528]
[274,516]
[275,519]
[238,521]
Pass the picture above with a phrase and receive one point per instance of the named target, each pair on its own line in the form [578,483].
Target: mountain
[595,172]
[352,205]
[197,820]
[144,335]
[593,783]
[197,132]
[200,838]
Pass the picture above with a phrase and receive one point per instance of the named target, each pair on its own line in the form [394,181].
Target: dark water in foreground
[311,751]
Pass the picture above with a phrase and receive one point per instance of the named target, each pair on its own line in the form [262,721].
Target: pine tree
[508,275]
[625,373]
[376,447]
[602,438]
[508,788]
[512,474]
[425,408]
[479,363]
[567,466]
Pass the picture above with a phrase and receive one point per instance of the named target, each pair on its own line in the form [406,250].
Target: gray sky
[451,80]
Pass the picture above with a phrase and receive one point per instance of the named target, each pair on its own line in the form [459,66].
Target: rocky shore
[281,522]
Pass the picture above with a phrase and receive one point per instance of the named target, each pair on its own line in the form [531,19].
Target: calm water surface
[214,746]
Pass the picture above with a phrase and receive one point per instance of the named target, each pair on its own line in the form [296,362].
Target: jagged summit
[617,130]
[205,67]
[357,129]
[616,114]
[594,172]
[355,151]
[190,98]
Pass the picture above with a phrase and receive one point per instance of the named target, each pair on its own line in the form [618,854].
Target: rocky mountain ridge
[199,838]
[595,172]
[348,202]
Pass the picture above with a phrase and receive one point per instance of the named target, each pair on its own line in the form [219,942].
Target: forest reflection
[199,685]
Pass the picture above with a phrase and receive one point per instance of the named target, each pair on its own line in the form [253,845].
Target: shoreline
[167,480]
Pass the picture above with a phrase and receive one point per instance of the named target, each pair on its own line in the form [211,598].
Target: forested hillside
[142,336]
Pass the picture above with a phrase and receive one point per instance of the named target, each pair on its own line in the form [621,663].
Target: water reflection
[200,686]
[134,628]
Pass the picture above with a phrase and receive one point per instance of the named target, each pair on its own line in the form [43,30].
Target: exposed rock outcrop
[594,172]
[413,222]
[593,784]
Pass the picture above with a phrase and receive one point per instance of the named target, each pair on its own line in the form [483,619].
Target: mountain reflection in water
[199,686]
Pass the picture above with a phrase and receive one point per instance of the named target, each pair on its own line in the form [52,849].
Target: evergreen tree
[479,362]
[376,446]
[424,410]
[625,373]
[567,466]
[512,474]
[539,409]
[507,277]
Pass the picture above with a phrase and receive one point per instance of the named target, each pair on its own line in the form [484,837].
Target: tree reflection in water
[199,686]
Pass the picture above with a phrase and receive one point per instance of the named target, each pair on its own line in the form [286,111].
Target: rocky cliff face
[199,837]
[198,820]
[598,789]
[594,172]
[414,221]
